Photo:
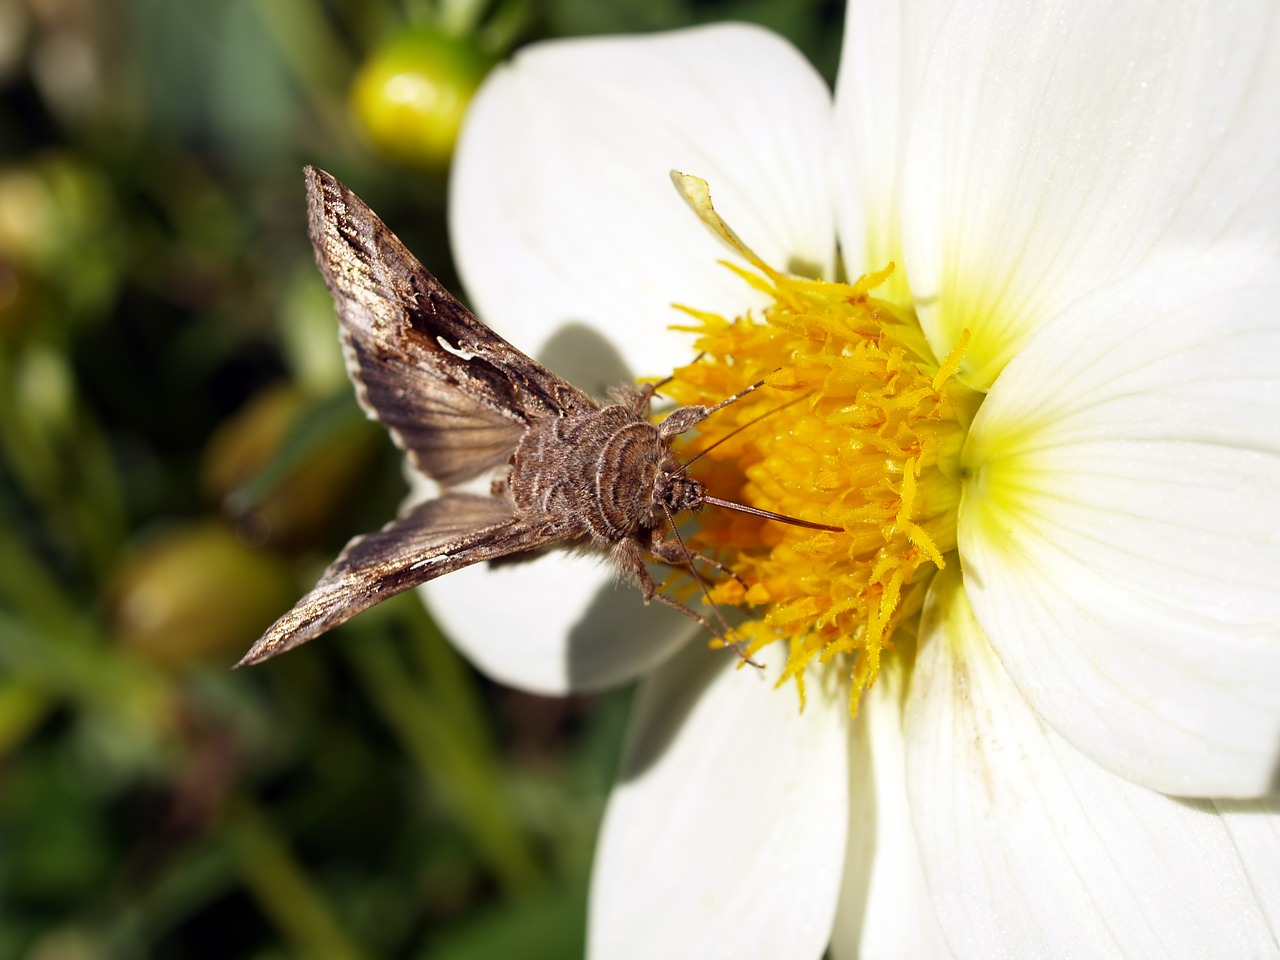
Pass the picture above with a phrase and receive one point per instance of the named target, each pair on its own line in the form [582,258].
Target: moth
[461,401]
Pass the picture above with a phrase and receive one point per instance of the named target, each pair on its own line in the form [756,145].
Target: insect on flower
[461,401]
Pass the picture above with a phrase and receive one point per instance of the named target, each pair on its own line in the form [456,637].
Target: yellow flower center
[862,430]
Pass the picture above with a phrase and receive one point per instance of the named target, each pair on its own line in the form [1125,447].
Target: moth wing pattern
[430,540]
[455,395]
[444,432]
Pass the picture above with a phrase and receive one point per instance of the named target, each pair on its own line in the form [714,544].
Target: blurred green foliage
[180,454]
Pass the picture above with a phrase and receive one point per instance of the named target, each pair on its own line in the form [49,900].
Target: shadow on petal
[586,358]
[617,638]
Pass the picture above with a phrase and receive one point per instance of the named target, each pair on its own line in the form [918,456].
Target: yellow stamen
[861,430]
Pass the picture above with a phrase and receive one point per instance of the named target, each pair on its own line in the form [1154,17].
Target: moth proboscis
[461,401]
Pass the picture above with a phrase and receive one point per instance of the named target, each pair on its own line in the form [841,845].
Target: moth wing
[422,356]
[432,539]
[443,431]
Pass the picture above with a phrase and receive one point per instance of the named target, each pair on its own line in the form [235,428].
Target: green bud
[198,594]
[411,94]
[282,480]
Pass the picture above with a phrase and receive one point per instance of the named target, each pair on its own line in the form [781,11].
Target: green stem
[23,706]
[459,18]
[284,892]
[311,50]
[461,770]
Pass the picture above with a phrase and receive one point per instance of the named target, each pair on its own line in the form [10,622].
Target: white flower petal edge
[586,229]
[1031,849]
[882,64]
[559,624]
[1120,530]
[725,833]
[885,909]
[1053,149]
[1254,825]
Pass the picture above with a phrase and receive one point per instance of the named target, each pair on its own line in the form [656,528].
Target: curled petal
[555,625]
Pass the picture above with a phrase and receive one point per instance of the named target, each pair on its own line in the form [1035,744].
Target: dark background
[180,455]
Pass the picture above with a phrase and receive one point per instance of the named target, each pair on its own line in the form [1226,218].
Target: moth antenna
[655,387]
[738,429]
[742,507]
[736,397]
[702,584]
[769,514]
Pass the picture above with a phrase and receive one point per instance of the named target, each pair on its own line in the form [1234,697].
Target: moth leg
[630,554]
[638,396]
[655,387]
[673,554]
[708,626]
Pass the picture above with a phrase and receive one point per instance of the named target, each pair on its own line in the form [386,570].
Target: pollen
[860,427]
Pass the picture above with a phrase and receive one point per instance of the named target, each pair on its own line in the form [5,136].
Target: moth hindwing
[460,401]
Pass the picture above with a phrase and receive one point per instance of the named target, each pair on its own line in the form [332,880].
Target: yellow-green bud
[411,94]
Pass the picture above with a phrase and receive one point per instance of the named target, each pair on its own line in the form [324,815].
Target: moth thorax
[680,492]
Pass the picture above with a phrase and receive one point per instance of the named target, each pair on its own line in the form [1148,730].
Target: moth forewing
[460,400]
[390,305]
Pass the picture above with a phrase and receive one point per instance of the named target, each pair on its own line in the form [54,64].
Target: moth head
[678,491]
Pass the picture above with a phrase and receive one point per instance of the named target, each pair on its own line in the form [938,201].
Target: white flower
[1092,190]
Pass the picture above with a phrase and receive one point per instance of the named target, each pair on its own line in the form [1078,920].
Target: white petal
[1033,850]
[725,834]
[1254,826]
[1120,528]
[886,48]
[558,624]
[1055,146]
[562,208]
[885,910]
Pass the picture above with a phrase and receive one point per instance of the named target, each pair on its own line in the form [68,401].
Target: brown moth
[461,401]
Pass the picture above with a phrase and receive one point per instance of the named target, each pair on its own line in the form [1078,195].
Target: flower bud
[282,479]
[411,94]
[195,595]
